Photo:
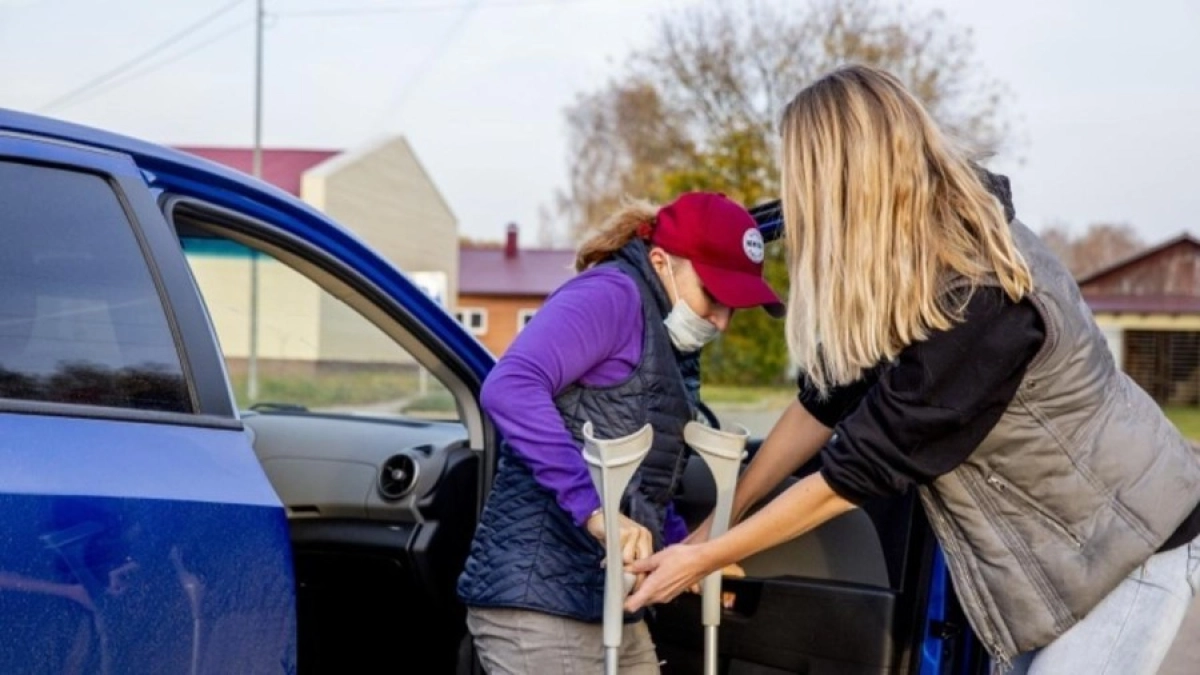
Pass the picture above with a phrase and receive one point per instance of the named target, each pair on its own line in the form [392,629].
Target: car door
[865,594]
[365,417]
[140,533]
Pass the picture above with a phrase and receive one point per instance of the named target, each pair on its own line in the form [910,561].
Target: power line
[425,65]
[130,71]
[138,60]
[410,9]
[444,44]
[155,67]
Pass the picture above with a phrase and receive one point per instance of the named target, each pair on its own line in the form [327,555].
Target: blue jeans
[1130,631]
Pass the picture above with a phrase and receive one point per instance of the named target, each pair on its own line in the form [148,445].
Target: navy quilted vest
[527,552]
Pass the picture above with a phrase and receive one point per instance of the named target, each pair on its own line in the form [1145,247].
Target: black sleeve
[930,409]
[838,402]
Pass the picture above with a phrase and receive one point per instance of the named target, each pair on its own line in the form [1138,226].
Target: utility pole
[252,360]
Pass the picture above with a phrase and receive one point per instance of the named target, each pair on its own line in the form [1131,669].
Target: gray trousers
[524,642]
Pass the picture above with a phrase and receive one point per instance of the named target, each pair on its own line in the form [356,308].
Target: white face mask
[688,330]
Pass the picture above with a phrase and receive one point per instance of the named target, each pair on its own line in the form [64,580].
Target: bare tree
[1104,244]
[1101,245]
[1058,239]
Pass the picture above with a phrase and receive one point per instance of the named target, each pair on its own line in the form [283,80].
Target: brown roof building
[1148,306]
[380,190]
[502,287]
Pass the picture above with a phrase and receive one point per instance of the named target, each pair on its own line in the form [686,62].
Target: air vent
[398,476]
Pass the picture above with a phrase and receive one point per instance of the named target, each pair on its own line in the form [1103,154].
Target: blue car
[236,439]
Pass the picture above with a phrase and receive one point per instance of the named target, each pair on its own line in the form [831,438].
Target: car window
[81,320]
[311,351]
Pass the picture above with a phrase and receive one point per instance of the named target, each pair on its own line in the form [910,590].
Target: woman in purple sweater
[618,345]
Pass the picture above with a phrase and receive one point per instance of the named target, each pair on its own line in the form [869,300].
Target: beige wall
[384,194]
[289,307]
[348,337]
[298,321]
[1182,322]
[502,317]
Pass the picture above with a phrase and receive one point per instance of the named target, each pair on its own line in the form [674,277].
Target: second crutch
[612,463]
[722,451]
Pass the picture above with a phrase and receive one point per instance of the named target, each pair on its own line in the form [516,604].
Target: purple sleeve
[674,527]
[589,330]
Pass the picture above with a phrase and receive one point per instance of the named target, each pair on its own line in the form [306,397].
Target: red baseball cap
[721,240]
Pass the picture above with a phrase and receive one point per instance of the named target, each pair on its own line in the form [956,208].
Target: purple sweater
[589,331]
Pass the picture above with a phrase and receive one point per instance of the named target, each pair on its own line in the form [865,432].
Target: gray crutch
[612,463]
[722,451]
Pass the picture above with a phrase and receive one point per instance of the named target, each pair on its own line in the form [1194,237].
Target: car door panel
[141,535]
[365,444]
[862,594]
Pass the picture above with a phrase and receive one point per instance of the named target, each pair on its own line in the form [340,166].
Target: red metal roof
[281,168]
[487,271]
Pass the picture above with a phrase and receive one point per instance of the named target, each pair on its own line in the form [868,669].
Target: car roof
[149,156]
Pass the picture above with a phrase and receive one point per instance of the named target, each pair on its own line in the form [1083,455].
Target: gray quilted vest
[1079,483]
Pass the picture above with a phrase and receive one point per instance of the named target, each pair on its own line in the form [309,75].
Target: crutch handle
[612,463]
[723,451]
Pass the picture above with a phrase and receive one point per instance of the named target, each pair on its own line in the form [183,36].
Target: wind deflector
[769,216]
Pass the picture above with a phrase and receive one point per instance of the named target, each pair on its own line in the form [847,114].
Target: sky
[1105,95]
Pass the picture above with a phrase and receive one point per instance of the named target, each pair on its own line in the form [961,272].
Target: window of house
[524,316]
[474,318]
[81,320]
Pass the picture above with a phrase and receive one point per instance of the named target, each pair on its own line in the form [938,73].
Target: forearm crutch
[722,451]
[612,463]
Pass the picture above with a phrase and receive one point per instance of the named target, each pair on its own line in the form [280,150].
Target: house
[1148,307]
[382,193]
[379,190]
[502,287]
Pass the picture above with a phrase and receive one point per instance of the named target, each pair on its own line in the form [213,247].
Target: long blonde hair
[634,218]
[881,211]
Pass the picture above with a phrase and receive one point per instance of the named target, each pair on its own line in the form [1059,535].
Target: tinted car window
[80,318]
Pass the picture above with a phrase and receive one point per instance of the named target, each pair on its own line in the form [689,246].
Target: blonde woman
[617,345]
[953,354]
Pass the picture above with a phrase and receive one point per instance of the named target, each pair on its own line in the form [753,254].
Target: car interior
[382,507]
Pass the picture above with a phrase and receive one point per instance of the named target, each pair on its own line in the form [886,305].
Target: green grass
[725,396]
[398,392]
[1187,419]
[376,389]
[383,391]
[436,403]
[325,390]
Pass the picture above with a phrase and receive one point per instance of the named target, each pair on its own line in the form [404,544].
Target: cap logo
[752,244]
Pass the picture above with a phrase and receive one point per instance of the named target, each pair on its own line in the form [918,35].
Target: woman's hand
[798,509]
[667,573]
[636,541]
